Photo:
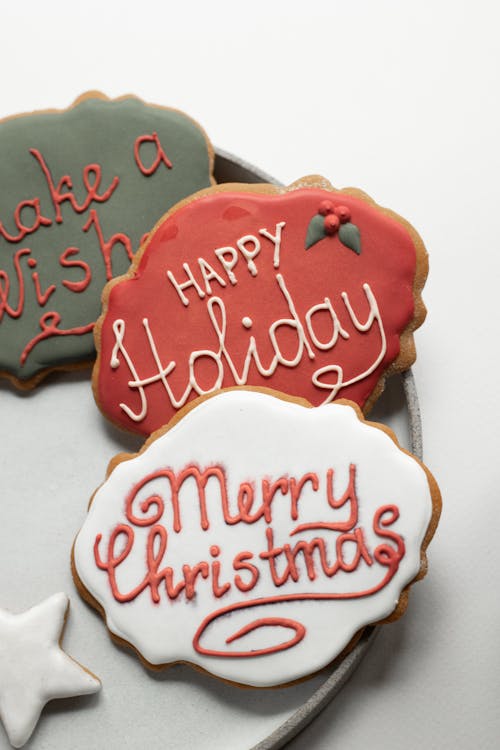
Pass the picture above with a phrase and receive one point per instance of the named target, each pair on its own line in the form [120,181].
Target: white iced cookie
[254,537]
[33,667]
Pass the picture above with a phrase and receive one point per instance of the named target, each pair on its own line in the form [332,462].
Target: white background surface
[402,100]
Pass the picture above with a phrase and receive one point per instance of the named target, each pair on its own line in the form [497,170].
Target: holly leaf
[315,230]
[350,237]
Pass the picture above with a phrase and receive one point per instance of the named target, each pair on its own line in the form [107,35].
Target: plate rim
[340,673]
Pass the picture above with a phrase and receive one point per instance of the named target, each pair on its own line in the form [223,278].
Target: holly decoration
[331,220]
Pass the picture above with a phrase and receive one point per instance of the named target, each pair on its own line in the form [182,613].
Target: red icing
[349,496]
[307,549]
[49,323]
[176,480]
[152,507]
[42,297]
[5,287]
[332,223]
[60,193]
[64,260]
[325,208]
[281,564]
[392,564]
[160,158]
[384,554]
[343,213]
[106,246]
[183,353]
[263,622]
[218,589]
[24,229]
[241,562]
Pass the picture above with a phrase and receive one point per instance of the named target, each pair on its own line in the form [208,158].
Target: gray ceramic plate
[55,447]
[229,168]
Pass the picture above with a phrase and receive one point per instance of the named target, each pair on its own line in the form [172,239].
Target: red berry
[331,224]
[343,213]
[325,208]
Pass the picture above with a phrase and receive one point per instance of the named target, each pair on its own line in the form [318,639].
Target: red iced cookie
[306,289]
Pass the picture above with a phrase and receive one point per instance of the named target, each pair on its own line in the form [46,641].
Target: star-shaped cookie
[33,667]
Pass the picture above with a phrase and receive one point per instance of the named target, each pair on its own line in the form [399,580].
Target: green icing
[348,234]
[350,237]
[315,230]
[93,132]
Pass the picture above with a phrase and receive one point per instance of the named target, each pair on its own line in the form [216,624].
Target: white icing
[190,282]
[249,246]
[34,669]
[218,318]
[249,253]
[337,328]
[276,240]
[228,263]
[119,331]
[374,315]
[255,437]
[209,273]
